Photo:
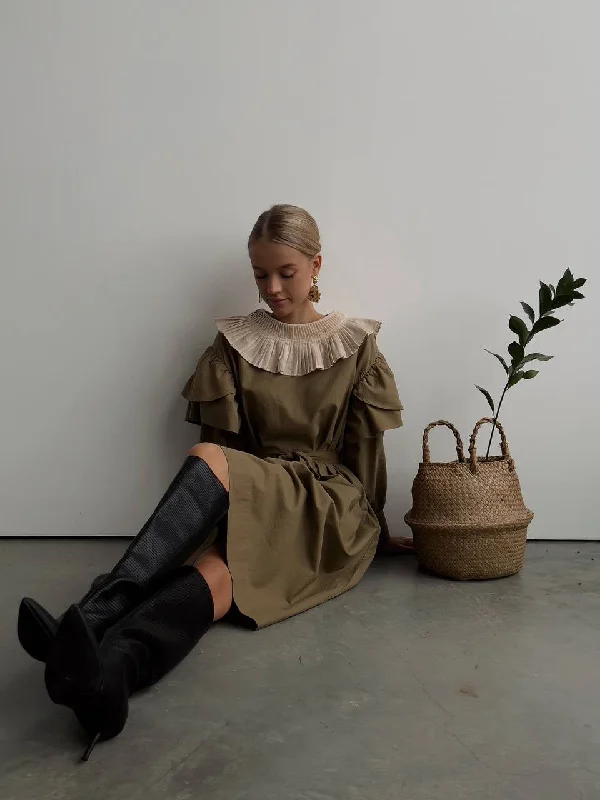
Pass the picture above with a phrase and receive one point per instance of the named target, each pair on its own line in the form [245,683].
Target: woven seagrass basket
[468,517]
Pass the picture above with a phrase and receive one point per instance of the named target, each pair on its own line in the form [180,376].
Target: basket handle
[503,443]
[460,451]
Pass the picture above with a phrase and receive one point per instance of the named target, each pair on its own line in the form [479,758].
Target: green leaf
[564,300]
[515,379]
[530,373]
[578,296]
[487,396]
[517,352]
[529,311]
[517,326]
[545,299]
[565,284]
[579,283]
[536,357]
[501,360]
[544,323]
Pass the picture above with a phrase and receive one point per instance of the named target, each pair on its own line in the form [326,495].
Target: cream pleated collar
[295,350]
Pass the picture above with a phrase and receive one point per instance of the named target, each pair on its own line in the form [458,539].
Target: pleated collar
[295,350]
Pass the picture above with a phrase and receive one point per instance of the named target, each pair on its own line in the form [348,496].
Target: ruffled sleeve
[211,394]
[374,408]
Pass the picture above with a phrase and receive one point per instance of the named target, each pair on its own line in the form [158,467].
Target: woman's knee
[214,457]
[216,574]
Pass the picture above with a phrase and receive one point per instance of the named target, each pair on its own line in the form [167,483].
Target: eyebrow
[284,266]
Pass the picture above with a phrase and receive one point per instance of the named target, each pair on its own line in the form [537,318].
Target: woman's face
[283,276]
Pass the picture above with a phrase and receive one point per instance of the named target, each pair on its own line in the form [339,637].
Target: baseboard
[106,536]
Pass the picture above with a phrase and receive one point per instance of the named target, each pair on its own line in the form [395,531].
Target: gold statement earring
[314,294]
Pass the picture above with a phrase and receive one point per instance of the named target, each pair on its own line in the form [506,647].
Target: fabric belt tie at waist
[328,456]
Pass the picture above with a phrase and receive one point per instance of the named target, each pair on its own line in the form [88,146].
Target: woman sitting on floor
[283,499]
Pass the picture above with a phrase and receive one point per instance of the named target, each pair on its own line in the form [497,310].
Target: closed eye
[259,277]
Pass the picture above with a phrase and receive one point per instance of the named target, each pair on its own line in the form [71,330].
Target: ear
[316,265]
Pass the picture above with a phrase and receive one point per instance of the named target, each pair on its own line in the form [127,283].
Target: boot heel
[90,747]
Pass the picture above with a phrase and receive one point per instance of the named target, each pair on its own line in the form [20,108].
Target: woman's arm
[366,459]
[374,408]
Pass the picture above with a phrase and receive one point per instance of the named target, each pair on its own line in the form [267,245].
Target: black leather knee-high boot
[190,509]
[97,679]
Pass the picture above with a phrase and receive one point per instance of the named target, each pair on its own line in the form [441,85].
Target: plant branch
[550,300]
[496,415]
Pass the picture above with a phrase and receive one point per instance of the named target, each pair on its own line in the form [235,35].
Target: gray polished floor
[407,687]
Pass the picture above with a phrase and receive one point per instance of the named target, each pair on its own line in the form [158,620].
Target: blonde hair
[289,225]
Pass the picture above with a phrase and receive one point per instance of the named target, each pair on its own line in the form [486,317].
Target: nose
[273,286]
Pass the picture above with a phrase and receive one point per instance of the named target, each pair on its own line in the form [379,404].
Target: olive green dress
[300,412]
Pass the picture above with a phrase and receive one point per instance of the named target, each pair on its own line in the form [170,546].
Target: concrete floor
[407,687]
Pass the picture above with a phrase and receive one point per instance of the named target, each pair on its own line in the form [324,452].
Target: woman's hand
[396,545]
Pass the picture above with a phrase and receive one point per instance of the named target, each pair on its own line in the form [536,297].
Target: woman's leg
[137,651]
[210,564]
[147,644]
[96,680]
[194,503]
[214,456]
[216,574]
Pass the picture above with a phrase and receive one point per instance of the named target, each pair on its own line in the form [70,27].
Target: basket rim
[467,527]
[481,460]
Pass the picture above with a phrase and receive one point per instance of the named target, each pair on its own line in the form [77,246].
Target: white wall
[449,151]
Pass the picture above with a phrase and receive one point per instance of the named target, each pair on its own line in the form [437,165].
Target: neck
[302,315]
